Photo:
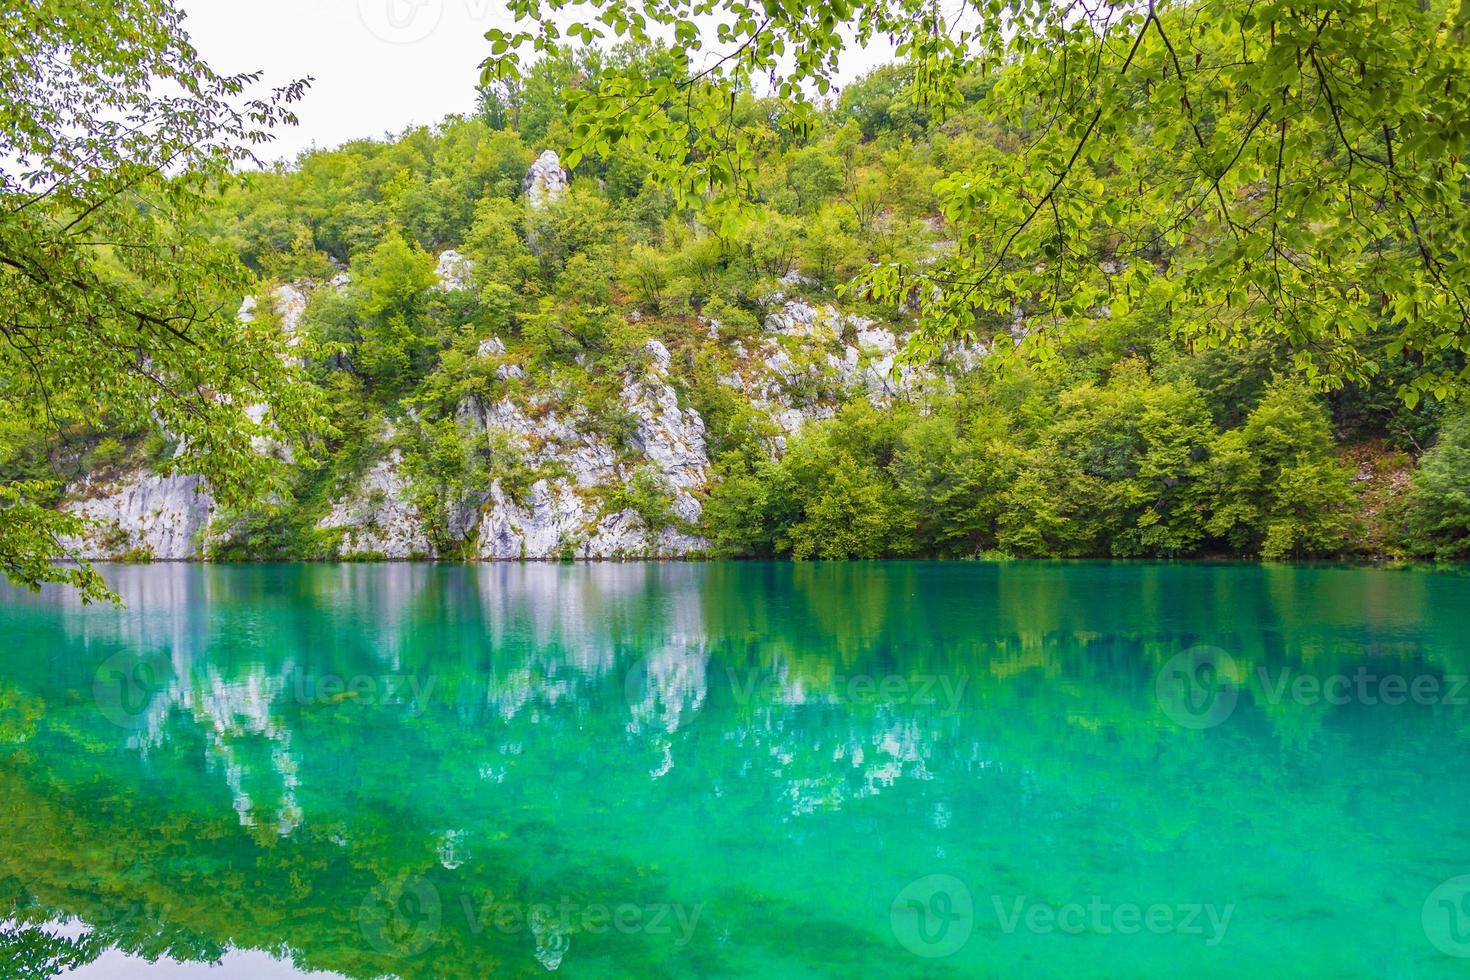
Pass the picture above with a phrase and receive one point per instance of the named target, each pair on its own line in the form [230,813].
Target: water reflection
[74,949]
[359,767]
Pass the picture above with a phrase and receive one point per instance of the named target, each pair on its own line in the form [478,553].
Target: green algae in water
[683,770]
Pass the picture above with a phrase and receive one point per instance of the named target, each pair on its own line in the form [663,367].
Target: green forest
[1052,422]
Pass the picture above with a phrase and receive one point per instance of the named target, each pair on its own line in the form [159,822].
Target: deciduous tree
[115,312]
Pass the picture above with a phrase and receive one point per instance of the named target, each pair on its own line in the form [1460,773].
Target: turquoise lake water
[729,770]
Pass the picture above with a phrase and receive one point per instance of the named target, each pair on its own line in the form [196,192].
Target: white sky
[380,65]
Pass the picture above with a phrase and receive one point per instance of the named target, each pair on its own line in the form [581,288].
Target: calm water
[876,770]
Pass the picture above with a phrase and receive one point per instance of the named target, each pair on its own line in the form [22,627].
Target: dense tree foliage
[1439,504]
[1130,440]
[1128,467]
[1283,170]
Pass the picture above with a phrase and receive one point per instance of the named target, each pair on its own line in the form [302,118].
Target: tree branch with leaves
[116,312]
[1281,169]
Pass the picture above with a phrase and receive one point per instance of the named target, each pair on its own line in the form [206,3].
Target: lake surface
[704,770]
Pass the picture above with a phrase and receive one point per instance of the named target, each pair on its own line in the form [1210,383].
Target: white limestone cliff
[140,513]
[805,362]
[545,180]
[376,517]
[454,270]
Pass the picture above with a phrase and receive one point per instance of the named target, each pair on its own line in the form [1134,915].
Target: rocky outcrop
[566,515]
[557,521]
[671,438]
[454,270]
[558,482]
[376,518]
[545,181]
[288,305]
[140,514]
[167,518]
[553,518]
[556,516]
[811,359]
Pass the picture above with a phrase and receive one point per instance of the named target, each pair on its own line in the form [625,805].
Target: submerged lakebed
[885,769]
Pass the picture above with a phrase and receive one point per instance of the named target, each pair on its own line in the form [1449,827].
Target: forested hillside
[516,362]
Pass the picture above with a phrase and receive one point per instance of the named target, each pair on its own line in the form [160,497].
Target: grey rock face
[288,303]
[545,180]
[376,517]
[807,361]
[811,359]
[565,514]
[554,518]
[454,270]
[671,438]
[164,516]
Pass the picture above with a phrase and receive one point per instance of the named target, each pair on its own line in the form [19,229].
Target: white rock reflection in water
[510,650]
[668,687]
[168,607]
[451,848]
[552,940]
[236,718]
